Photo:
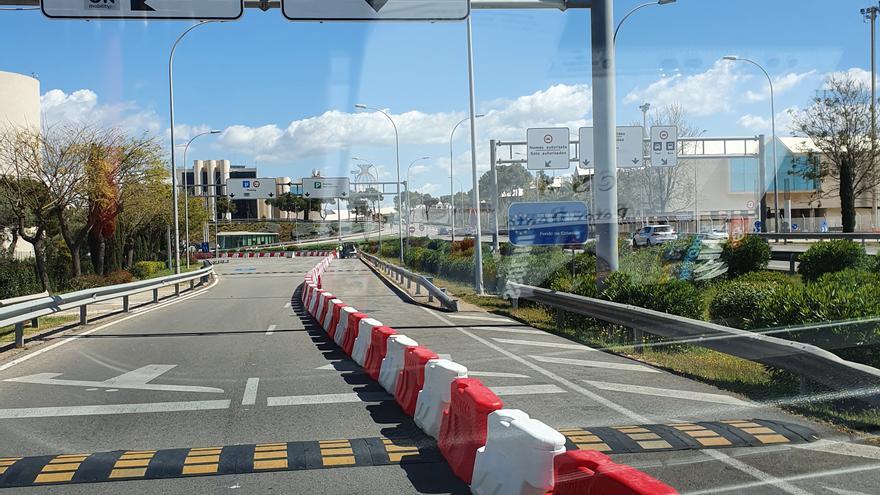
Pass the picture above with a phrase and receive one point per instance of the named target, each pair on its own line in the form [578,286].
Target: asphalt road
[236,364]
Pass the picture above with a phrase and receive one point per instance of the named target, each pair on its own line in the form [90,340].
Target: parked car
[348,250]
[653,235]
[442,231]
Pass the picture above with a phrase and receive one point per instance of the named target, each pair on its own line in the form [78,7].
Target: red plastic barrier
[334,321]
[412,377]
[377,350]
[325,306]
[319,282]
[574,472]
[313,303]
[351,331]
[463,428]
[620,479]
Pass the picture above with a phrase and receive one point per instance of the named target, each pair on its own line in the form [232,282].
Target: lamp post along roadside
[451,191]
[870,15]
[633,11]
[174,216]
[734,58]
[408,197]
[186,191]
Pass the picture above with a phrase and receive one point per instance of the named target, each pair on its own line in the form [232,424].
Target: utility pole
[870,15]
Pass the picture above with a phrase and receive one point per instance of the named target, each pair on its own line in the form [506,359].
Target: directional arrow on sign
[664,161]
[586,163]
[307,195]
[635,161]
[271,195]
[141,6]
[548,163]
[377,4]
[232,195]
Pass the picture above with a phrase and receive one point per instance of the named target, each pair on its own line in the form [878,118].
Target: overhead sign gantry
[226,10]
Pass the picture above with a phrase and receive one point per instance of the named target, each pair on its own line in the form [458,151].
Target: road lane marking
[135,379]
[595,364]
[301,400]
[481,318]
[761,476]
[270,329]
[340,366]
[250,392]
[497,374]
[843,448]
[511,330]
[527,390]
[107,409]
[556,345]
[135,313]
[666,392]
[287,304]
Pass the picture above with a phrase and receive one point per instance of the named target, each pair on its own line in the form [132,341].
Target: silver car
[653,235]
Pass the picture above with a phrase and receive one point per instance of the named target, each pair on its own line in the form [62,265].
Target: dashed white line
[595,364]
[497,374]
[250,392]
[527,390]
[102,409]
[481,318]
[555,345]
[271,329]
[511,330]
[300,400]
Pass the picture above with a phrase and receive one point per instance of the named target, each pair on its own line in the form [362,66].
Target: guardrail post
[35,322]
[19,335]
[639,340]
[177,289]
[155,296]
[791,263]
[558,318]
[418,289]
[125,304]
[408,283]
[192,284]
[83,314]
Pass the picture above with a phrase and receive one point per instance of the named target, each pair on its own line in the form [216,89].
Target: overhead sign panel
[547,223]
[630,147]
[143,9]
[548,148]
[262,188]
[585,147]
[326,187]
[375,10]
[664,146]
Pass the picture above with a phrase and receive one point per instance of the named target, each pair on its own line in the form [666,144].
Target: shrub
[18,278]
[769,277]
[146,269]
[673,296]
[83,282]
[748,254]
[831,256]
[736,303]
[118,277]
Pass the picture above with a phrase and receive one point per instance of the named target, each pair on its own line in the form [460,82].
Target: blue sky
[284,92]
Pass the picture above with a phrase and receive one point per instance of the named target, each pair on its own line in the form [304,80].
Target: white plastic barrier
[339,336]
[322,302]
[435,394]
[392,364]
[362,341]
[313,303]
[518,456]
[307,289]
[328,317]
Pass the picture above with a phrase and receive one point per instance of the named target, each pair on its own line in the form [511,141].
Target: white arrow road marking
[556,345]
[271,329]
[511,330]
[137,379]
[250,392]
[49,412]
[287,305]
[483,318]
[595,364]
[666,392]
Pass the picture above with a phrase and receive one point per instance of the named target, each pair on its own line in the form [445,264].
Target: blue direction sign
[548,223]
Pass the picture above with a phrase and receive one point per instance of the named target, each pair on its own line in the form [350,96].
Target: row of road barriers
[496,451]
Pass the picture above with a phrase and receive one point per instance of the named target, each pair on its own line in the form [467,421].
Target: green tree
[838,121]
[225,205]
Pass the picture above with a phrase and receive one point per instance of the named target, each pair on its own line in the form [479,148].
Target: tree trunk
[847,197]
[40,257]
[75,261]
[129,257]
[74,243]
[102,248]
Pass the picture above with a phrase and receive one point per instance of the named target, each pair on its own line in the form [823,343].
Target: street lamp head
[730,57]
[216,131]
[479,115]
[360,106]
[664,2]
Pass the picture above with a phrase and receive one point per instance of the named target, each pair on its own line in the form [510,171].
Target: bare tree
[838,121]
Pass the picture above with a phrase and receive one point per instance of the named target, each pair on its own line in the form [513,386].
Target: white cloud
[781,85]
[856,73]
[83,106]
[759,123]
[700,94]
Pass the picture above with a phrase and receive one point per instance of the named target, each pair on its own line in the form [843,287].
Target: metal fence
[809,362]
[402,275]
[31,310]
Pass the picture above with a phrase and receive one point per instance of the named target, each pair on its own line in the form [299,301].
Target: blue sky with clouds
[284,92]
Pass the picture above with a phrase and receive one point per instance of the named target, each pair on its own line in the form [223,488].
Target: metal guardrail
[801,236]
[402,274]
[809,362]
[21,299]
[33,309]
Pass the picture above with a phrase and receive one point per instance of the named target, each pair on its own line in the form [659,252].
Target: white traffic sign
[548,148]
[375,10]
[261,188]
[585,147]
[226,10]
[325,187]
[630,146]
[664,146]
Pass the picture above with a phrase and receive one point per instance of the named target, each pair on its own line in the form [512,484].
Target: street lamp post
[637,7]
[408,194]
[378,201]
[734,58]
[186,192]
[173,163]
[451,191]
[361,106]
[870,15]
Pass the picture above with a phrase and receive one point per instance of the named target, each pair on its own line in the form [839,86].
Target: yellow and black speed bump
[684,436]
[208,461]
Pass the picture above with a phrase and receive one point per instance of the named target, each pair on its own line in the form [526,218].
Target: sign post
[548,148]
[220,10]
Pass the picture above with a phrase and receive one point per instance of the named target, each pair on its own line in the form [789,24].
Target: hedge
[18,278]
[146,269]
[746,255]
[831,256]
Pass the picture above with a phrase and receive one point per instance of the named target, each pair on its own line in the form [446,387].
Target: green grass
[169,271]
[7,334]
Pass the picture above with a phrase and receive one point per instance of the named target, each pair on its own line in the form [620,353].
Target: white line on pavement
[134,314]
[756,473]
[300,400]
[287,305]
[666,392]
[842,448]
[594,364]
[49,379]
[271,329]
[496,374]
[340,366]
[511,330]
[250,392]
[527,390]
[556,345]
[481,318]
[104,409]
